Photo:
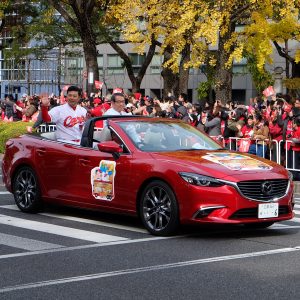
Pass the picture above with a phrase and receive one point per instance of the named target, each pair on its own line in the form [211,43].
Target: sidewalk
[296,183]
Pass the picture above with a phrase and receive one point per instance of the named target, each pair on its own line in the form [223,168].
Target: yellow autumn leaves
[201,24]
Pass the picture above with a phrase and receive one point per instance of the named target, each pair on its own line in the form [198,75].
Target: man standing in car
[69,117]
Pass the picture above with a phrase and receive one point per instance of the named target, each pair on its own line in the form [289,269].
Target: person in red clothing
[246,132]
[98,111]
[296,148]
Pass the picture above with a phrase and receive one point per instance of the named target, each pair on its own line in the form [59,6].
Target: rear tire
[159,209]
[26,190]
[259,225]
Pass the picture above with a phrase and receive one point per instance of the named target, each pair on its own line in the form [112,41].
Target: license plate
[268,210]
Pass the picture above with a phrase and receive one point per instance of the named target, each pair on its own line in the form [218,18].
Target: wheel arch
[143,186]
[21,165]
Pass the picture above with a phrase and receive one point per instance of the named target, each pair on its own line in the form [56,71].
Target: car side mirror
[110,147]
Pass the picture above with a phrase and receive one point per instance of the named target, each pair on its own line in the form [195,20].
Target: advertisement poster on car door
[102,180]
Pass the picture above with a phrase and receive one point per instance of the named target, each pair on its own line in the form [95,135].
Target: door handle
[41,151]
[84,162]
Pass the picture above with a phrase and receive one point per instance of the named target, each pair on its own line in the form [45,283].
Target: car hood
[232,166]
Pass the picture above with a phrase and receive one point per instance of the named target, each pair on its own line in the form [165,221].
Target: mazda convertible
[164,171]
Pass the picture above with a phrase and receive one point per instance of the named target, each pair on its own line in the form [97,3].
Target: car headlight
[200,180]
[291,177]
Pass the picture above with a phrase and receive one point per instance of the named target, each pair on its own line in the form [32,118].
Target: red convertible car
[163,170]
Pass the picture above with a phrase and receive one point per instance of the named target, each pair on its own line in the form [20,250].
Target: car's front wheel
[26,190]
[159,209]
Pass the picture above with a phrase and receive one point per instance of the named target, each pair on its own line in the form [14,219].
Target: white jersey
[112,112]
[69,121]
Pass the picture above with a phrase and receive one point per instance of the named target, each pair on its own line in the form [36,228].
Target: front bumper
[228,206]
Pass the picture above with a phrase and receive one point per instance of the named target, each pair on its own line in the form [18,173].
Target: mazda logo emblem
[267,188]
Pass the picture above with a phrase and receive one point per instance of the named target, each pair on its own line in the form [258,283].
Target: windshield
[167,136]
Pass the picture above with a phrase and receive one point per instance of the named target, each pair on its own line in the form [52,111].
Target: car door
[55,167]
[87,161]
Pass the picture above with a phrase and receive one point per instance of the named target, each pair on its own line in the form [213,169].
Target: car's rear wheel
[159,209]
[259,225]
[26,190]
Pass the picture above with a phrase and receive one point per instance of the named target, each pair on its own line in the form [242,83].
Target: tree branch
[148,59]
[283,53]
[65,14]
[126,59]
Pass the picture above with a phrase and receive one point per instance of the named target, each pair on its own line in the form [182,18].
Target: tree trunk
[183,72]
[171,80]
[295,69]
[90,55]
[136,80]
[82,22]
[136,85]
[223,77]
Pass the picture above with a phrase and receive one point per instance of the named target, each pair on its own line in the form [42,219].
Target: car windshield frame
[166,136]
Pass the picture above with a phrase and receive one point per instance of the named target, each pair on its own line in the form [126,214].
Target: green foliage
[260,76]
[203,90]
[10,130]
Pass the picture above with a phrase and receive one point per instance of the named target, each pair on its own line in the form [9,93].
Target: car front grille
[252,213]
[263,190]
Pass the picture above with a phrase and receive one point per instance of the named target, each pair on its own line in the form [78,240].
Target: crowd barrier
[273,150]
[46,128]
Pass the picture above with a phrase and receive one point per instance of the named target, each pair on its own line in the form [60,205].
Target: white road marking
[24,243]
[5,193]
[297,206]
[82,220]
[4,256]
[143,240]
[296,219]
[59,230]
[146,269]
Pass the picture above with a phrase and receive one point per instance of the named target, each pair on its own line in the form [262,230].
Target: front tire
[26,190]
[159,209]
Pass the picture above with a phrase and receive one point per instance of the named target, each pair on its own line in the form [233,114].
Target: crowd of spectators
[264,119]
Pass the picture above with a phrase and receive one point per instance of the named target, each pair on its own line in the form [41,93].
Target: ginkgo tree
[281,28]
[202,26]
[172,25]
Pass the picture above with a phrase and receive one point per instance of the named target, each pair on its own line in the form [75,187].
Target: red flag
[269,91]
[287,107]
[98,85]
[138,96]
[62,98]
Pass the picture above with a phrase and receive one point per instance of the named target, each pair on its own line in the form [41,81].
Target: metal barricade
[270,149]
[288,156]
[46,128]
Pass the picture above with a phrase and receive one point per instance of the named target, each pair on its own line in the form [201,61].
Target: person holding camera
[261,135]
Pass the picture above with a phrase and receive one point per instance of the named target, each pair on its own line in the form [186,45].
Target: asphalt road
[66,253]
